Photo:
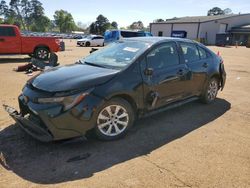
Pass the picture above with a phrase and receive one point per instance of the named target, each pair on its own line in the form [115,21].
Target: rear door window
[190,52]
[7,32]
[128,34]
[203,53]
[140,34]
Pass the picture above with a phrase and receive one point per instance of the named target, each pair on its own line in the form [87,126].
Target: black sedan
[107,90]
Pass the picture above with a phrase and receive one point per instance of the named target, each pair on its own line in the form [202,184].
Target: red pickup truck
[12,42]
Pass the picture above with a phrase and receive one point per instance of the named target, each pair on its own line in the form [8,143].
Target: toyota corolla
[107,90]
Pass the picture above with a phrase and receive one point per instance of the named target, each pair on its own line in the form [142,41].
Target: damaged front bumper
[48,122]
[27,123]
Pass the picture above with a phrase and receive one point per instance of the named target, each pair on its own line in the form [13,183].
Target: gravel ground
[194,145]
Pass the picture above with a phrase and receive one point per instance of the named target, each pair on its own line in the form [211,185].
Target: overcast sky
[124,12]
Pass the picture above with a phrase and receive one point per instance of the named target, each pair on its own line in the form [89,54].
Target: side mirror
[148,71]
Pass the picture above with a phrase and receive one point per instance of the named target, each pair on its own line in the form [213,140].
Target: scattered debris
[93,50]
[37,64]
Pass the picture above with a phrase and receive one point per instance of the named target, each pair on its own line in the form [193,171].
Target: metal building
[206,28]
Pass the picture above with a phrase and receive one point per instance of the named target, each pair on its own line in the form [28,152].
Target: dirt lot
[194,145]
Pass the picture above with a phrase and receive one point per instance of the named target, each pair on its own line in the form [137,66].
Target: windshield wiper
[93,64]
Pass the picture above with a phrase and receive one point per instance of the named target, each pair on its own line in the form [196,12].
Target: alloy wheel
[42,54]
[112,120]
[212,90]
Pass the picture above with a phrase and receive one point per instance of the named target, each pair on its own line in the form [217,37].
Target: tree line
[29,15]
[102,24]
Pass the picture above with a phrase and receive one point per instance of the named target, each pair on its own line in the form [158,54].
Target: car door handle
[2,40]
[205,65]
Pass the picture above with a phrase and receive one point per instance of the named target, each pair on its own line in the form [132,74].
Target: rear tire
[211,91]
[114,119]
[42,53]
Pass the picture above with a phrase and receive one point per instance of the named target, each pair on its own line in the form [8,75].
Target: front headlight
[67,102]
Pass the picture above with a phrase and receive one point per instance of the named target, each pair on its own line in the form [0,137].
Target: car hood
[72,77]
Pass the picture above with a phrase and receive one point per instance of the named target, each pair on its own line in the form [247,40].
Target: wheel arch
[209,77]
[41,46]
[128,98]
[217,76]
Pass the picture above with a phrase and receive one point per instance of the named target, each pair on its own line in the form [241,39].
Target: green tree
[92,28]
[44,25]
[39,21]
[158,20]
[30,13]
[102,24]
[26,10]
[215,11]
[137,25]
[16,5]
[64,21]
[11,18]
[8,15]
[3,8]
[114,25]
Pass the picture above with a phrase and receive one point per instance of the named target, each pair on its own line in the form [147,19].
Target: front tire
[87,44]
[211,91]
[114,119]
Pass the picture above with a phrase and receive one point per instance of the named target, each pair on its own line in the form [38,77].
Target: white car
[91,40]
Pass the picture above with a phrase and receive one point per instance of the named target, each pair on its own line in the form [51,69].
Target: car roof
[153,40]
[96,35]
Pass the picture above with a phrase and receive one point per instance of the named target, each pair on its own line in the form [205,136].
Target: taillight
[58,41]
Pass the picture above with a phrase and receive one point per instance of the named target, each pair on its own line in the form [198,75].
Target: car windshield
[116,55]
[89,37]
